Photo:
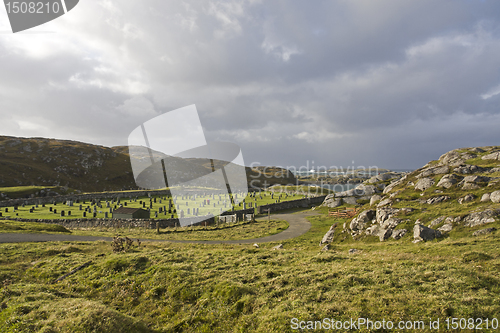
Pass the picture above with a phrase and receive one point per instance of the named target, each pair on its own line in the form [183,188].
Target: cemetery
[152,211]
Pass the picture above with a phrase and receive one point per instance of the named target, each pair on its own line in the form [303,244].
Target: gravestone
[84,214]
[55,211]
[69,213]
[106,215]
[94,215]
[62,212]
[50,209]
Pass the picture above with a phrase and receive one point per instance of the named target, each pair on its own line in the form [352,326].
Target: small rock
[495,196]
[362,221]
[352,251]
[256,245]
[469,169]
[384,203]
[328,237]
[492,156]
[484,231]
[374,199]
[278,247]
[397,234]
[448,181]
[485,197]
[436,200]
[424,184]
[478,218]
[446,228]
[437,221]
[384,234]
[467,198]
[433,171]
[425,233]
[326,248]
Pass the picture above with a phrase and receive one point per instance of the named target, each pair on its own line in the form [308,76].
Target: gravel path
[298,226]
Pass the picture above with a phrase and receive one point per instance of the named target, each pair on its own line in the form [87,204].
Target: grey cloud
[384,82]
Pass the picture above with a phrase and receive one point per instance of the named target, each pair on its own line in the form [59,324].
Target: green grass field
[241,230]
[166,287]
[44,212]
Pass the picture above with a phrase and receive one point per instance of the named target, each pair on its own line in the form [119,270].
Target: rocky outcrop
[398,233]
[424,183]
[351,197]
[423,233]
[331,201]
[374,199]
[435,200]
[392,185]
[448,181]
[479,218]
[328,237]
[383,177]
[495,197]
[447,227]
[468,198]
[484,231]
[473,182]
[385,202]
[364,219]
[437,221]
[486,197]
[433,171]
[453,173]
[469,169]
[492,156]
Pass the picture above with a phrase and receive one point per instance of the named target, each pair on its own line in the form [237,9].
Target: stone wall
[299,203]
[117,223]
[240,214]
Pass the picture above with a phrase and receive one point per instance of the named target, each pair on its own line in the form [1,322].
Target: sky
[385,83]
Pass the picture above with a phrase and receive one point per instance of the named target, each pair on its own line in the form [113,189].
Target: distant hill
[92,168]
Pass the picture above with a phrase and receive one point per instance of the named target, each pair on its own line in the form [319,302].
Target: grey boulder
[424,233]
[424,184]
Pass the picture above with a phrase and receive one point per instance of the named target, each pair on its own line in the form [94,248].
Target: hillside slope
[458,194]
[90,168]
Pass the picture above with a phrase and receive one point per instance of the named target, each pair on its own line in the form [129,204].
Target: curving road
[298,225]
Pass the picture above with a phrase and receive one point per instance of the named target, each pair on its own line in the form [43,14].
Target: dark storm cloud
[388,83]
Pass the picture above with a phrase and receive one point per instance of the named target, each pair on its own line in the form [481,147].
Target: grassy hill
[91,168]
[455,195]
